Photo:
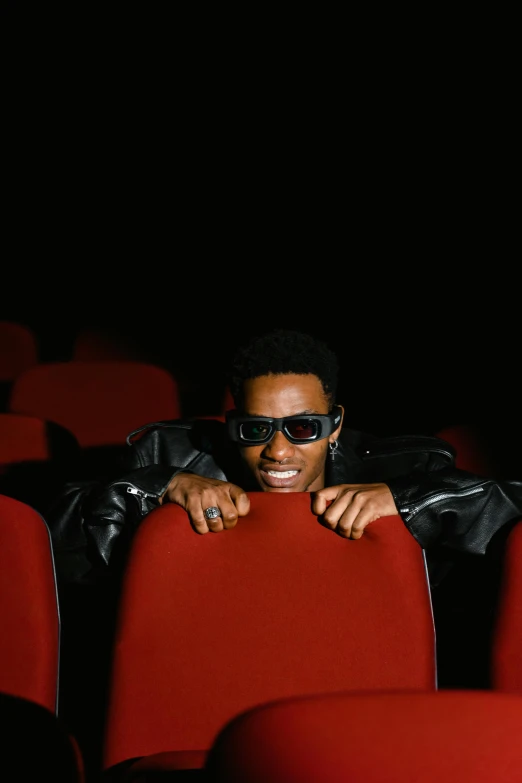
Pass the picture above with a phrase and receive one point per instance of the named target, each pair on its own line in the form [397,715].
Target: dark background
[185,188]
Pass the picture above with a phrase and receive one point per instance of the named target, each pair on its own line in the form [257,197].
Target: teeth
[282,473]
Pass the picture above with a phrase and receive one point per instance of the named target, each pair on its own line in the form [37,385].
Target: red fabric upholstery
[506,656]
[29,618]
[99,402]
[212,625]
[18,349]
[440,737]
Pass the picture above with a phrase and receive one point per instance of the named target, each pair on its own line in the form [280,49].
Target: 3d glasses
[256,430]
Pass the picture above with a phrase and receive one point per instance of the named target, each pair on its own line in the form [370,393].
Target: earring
[333,446]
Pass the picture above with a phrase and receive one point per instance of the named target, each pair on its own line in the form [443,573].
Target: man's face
[281,466]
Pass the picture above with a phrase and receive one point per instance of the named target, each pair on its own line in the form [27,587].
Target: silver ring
[212,512]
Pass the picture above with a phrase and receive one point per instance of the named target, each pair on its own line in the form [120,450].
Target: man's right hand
[196,493]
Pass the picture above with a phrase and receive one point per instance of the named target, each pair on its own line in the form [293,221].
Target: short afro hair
[283,352]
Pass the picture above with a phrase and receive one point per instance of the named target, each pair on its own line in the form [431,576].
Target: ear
[337,432]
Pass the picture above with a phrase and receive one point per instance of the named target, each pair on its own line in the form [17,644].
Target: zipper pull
[134,491]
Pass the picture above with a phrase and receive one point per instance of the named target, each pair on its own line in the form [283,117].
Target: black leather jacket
[92,522]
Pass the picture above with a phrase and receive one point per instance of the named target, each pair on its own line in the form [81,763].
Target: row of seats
[285,660]
[106,389]
[21,354]
[20,348]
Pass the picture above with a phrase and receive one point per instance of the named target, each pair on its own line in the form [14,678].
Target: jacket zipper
[139,492]
[408,513]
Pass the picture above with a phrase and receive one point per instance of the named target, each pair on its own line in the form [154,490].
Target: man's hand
[353,507]
[196,493]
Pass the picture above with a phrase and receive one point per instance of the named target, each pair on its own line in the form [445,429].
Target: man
[286,434]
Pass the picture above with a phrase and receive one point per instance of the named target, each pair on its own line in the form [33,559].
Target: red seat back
[450,736]
[99,402]
[29,616]
[211,625]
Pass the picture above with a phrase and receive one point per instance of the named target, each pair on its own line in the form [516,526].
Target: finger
[240,507]
[340,512]
[361,523]
[196,511]
[358,529]
[241,501]
[322,498]
[215,524]
[227,518]
[200,524]
[345,526]
[346,521]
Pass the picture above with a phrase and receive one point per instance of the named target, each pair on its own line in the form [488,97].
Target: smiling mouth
[282,474]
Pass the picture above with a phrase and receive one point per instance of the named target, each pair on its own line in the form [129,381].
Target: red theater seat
[29,614]
[279,606]
[442,737]
[99,402]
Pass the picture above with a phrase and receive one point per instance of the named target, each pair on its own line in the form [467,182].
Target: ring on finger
[211,512]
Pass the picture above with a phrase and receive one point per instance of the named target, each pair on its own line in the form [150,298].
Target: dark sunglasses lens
[255,431]
[302,429]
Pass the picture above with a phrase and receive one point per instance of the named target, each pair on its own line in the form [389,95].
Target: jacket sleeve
[87,519]
[454,508]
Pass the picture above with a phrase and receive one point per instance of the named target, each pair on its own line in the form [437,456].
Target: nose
[279,448]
